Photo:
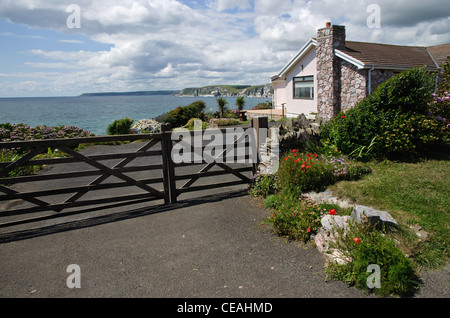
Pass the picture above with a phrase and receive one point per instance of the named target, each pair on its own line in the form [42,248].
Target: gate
[146,166]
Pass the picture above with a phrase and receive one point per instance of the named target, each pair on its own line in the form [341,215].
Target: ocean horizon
[95,113]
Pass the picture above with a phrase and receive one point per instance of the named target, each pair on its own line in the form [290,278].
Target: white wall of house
[284,86]
[304,67]
[279,92]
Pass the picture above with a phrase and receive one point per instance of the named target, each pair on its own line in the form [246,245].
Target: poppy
[332,212]
[308,230]
[357,240]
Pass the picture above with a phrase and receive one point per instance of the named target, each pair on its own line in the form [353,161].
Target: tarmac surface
[211,244]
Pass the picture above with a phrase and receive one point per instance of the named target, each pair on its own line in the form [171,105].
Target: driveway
[209,245]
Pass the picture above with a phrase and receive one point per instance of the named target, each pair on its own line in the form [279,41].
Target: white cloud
[157,44]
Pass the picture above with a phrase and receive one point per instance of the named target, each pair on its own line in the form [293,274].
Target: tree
[240,102]
[222,105]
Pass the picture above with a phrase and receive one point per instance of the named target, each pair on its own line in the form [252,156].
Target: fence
[85,179]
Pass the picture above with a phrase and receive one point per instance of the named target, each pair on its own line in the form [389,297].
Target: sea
[95,113]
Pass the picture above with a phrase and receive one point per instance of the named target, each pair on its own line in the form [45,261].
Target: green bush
[180,116]
[120,127]
[264,185]
[409,134]
[364,246]
[366,131]
[300,173]
[296,218]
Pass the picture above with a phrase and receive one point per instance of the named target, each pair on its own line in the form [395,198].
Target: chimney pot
[328,24]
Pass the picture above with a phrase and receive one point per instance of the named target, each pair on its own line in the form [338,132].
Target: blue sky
[128,45]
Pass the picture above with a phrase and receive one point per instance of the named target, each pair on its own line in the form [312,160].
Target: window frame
[301,79]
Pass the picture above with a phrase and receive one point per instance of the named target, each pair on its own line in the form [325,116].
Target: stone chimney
[329,38]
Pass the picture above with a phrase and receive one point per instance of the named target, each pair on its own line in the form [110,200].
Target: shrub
[120,127]
[181,115]
[18,132]
[191,124]
[296,218]
[266,105]
[299,173]
[364,246]
[361,131]
[409,134]
[263,185]
[225,121]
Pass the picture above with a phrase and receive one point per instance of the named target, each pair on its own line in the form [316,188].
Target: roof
[366,55]
[440,53]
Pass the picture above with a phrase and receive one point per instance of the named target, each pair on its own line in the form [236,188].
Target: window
[304,87]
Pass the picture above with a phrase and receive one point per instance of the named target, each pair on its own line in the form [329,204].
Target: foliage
[181,115]
[18,132]
[120,127]
[225,121]
[364,246]
[266,105]
[409,134]
[299,173]
[240,102]
[222,105]
[401,103]
[440,106]
[264,185]
[191,124]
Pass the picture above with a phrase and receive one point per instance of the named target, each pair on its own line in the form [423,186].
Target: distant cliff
[260,91]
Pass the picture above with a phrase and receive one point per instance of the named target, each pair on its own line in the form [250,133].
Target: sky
[66,48]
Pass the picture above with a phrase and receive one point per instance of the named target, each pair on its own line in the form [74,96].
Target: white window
[304,87]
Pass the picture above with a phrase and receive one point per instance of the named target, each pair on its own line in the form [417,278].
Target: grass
[415,193]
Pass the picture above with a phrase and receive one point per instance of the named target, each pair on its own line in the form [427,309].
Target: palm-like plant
[222,105]
[240,102]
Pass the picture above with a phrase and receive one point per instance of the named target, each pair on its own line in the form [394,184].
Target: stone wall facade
[380,76]
[353,85]
[329,70]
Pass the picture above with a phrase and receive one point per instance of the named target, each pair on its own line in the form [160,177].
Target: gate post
[170,194]
[258,123]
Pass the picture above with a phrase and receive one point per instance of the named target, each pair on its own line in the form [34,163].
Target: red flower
[308,230]
[309,154]
[297,160]
[342,116]
[294,151]
[357,240]
[314,155]
[287,158]
[307,167]
[332,212]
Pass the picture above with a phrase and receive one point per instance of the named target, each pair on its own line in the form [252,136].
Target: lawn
[415,194]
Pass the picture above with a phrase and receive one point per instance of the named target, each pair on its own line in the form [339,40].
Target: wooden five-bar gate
[88,179]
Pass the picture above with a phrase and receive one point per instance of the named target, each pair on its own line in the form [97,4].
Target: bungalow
[330,74]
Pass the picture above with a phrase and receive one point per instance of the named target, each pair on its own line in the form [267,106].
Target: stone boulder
[374,217]
[301,122]
[150,125]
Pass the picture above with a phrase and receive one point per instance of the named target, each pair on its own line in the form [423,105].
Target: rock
[324,240]
[330,222]
[301,121]
[147,125]
[375,217]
